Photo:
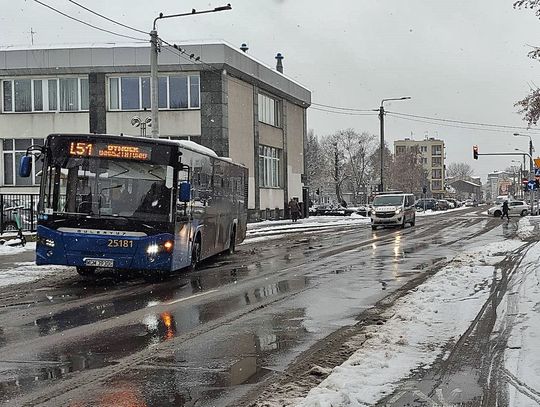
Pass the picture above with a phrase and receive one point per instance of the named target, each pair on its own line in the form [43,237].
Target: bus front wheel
[85,271]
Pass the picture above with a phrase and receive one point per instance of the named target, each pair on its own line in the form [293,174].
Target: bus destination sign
[122,151]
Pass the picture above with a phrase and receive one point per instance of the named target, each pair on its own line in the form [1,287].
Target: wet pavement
[208,337]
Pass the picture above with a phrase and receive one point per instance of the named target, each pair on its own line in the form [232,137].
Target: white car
[515,208]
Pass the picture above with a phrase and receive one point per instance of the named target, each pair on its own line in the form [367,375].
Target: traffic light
[424,189]
[475,152]
[318,192]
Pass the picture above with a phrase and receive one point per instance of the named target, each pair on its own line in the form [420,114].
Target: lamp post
[381,120]
[531,149]
[154,50]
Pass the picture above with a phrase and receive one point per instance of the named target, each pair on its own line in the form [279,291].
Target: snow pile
[417,328]
[526,227]
[522,354]
[430,212]
[6,250]
[28,271]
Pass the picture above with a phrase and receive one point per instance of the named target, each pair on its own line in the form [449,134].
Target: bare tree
[529,106]
[407,172]
[375,164]
[357,148]
[459,170]
[315,162]
[337,169]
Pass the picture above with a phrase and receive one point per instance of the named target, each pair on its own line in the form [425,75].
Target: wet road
[208,337]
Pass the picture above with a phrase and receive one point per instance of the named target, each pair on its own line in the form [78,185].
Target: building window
[269,169]
[436,161]
[174,92]
[14,149]
[436,174]
[424,160]
[436,149]
[400,149]
[436,185]
[423,149]
[269,110]
[45,95]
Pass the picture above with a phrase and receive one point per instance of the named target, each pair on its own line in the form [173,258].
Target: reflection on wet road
[204,337]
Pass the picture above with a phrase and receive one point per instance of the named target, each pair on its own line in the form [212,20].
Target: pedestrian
[294,209]
[505,210]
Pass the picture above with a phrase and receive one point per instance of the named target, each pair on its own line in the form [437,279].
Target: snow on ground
[522,316]
[274,229]
[417,328]
[26,272]
[6,250]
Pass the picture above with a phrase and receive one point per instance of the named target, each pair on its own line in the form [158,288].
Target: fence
[28,212]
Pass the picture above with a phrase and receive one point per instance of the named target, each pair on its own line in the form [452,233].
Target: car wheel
[524,212]
[497,214]
[413,221]
[403,223]
[10,226]
[373,227]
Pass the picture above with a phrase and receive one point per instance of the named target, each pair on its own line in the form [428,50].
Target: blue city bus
[132,203]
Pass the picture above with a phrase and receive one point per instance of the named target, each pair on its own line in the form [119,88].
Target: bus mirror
[25,167]
[185,192]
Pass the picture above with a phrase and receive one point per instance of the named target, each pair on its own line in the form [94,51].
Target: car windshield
[385,200]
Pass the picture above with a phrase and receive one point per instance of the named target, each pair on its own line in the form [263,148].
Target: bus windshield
[101,187]
[391,200]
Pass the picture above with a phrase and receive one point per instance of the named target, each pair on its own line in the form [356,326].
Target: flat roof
[135,57]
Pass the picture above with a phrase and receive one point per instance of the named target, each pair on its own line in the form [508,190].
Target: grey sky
[457,59]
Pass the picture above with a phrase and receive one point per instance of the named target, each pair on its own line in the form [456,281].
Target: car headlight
[155,248]
[398,211]
[45,241]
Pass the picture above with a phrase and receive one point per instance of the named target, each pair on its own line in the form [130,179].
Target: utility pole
[155,45]
[381,120]
[154,49]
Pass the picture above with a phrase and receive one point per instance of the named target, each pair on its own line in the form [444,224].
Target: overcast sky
[461,60]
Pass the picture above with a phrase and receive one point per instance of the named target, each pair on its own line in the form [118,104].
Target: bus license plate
[99,262]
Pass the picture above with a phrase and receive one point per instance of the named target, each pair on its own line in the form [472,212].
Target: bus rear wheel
[195,254]
[232,243]
[86,271]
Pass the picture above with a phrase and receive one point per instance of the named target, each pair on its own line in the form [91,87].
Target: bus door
[183,224]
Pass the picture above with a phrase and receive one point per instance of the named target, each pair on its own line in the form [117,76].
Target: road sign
[537,162]
[531,185]
[537,172]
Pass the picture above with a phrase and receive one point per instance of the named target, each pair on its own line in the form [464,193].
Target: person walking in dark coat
[505,210]
[294,209]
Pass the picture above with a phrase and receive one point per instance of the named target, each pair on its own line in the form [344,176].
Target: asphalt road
[219,336]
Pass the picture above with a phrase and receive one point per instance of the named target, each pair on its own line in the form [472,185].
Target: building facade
[433,160]
[217,96]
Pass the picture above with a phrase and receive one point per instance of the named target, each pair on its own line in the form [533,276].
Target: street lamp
[154,49]
[381,120]
[531,149]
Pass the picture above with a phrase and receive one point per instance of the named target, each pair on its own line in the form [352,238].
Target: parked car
[454,202]
[443,205]
[515,208]
[471,202]
[426,203]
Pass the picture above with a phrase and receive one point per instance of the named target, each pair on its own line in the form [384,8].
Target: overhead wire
[88,24]
[343,113]
[344,108]
[107,18]
[502,126]
[446,125]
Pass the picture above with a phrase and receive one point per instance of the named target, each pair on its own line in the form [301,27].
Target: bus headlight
[155,248]
[45,241]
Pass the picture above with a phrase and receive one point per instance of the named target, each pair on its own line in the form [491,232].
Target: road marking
[189,298]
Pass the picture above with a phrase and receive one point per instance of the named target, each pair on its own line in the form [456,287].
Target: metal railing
[28,212]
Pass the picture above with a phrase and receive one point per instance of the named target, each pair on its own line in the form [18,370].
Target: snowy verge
[522,354]
[417,328]
[430,212]
[7,250]
[27,272]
